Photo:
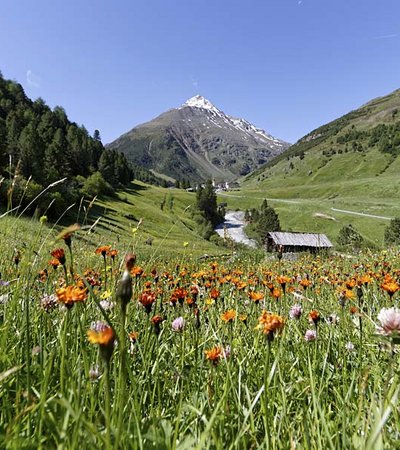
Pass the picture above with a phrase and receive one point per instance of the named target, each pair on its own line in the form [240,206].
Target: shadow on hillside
[135,189]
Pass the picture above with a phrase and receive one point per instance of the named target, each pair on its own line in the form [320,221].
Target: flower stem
[107,392]
[121,394]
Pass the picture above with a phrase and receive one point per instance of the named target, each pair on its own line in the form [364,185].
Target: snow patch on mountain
[242,125]
[200,102]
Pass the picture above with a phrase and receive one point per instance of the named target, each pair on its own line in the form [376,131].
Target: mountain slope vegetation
[362,144]
[40,146]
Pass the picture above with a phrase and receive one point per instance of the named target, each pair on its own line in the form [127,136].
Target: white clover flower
[311,335]
[390,321]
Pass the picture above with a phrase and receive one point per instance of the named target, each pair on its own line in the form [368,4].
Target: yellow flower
[105,295]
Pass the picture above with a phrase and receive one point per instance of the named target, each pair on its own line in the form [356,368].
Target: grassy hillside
[350,164]
[165,217]
[154,222]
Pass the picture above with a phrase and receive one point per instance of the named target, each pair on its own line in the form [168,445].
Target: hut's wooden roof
[300,239]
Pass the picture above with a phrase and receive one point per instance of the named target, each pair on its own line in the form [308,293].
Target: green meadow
[171,349]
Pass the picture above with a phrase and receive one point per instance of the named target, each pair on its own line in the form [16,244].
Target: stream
[234,225]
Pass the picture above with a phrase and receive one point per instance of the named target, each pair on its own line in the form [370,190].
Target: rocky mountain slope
[198,141]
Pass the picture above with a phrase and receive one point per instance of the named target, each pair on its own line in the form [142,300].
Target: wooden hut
[297,242]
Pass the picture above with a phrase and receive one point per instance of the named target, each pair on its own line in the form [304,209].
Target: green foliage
[350,237]
[41,144]
[392,232]
[209,215]
[262,221]
[96,185]
[114,168]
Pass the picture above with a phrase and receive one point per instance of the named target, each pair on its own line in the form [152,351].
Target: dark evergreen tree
[206,203]
[268,221]
[263,221]
[31,153]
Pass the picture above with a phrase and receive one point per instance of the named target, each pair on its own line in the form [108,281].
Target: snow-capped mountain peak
[198,101]
[222,120]
[199,141]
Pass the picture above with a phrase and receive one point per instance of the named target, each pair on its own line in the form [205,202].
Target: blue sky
[287,66]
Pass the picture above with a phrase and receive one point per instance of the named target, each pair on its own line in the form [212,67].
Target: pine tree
[268,221]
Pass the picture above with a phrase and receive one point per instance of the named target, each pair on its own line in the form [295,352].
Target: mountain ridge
[199,141]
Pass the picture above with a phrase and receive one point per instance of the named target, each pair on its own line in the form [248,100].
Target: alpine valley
[197,141]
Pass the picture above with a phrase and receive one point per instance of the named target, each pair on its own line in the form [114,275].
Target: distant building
[297,242]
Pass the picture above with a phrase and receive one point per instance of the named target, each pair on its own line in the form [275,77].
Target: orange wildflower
[54,263]
[156,322]
[179,294]
[390,286]
[365,279]
[194,290]
[228,316]
[353,310]
[283,280]
[314,317]
[269,323]
[133,335]
[276,293]
[103,250]
[59,254]
[256,296]
[136,271]
[350,283]
[101,335]
[347,293]
[214,355]
[241,285]
[191,301]
[71,294]
[112,254]
[305,283]
[269,285]
[147,299]
[214,293]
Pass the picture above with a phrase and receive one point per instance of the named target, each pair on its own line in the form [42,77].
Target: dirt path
[354,213]
[234,226]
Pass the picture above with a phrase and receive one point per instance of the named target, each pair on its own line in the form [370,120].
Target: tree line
[40,145]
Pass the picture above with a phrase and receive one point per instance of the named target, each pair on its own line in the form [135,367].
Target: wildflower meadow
[102,348]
